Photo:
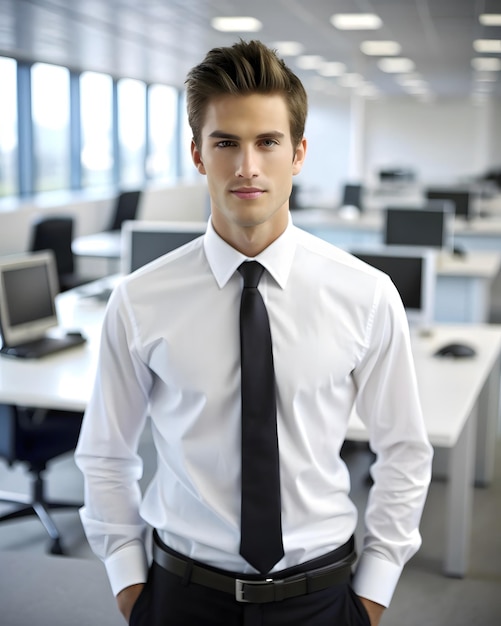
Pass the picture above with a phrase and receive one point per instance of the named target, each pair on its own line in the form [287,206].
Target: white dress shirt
[170,350]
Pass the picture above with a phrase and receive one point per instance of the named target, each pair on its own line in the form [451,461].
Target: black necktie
[261,528]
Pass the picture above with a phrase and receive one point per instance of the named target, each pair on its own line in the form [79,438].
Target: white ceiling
[159,40]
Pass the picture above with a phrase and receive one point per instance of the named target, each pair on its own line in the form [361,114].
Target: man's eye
[226,143]
[269,143]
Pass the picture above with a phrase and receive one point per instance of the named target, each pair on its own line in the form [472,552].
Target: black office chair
[352,196]
[35,437]
[55,232]
[126,208]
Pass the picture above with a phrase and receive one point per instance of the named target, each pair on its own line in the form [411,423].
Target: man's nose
[248,166]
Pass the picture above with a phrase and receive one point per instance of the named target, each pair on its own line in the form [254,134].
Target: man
[170,349]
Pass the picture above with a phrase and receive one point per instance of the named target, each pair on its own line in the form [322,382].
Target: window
[96,110]
[8,127]
[162,115]
[189,172]
[132,131]
[50,101]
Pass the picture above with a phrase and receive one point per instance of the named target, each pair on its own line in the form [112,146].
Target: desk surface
[448,388]
[104,245]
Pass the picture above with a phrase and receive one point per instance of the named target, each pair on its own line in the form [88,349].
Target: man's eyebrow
[220,134]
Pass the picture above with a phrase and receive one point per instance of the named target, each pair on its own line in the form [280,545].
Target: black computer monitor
[413,274]
[144,241]
[430,226]
[464,205]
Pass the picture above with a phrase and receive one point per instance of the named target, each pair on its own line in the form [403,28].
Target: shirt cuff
[376,579]
[128,566]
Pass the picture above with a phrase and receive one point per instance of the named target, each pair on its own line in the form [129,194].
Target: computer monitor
[28,287]
[145,241]
[463,199]
[430,226]
[412,271]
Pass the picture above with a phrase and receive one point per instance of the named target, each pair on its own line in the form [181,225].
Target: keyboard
[42,347]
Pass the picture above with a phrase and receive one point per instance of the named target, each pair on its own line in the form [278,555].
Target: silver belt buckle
[239,587]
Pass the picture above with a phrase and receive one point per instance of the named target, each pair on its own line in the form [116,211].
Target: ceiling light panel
[309,61]
[487,45]
[332,68]
[288,48]
[486,64]
[380,48]
[236,24]
[490,19]
[397,65]
[356,21]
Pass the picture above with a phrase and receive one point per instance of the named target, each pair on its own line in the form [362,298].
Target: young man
[170,349]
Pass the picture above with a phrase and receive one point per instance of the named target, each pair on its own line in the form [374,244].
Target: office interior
[435,123]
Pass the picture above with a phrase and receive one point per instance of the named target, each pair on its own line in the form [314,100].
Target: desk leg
[487,429]
[460,500]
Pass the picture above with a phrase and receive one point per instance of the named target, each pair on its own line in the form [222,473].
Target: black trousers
[167,600]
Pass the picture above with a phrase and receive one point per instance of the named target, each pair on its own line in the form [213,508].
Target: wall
[327,165]
[442,141]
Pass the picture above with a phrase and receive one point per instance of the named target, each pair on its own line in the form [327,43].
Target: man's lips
[247,193]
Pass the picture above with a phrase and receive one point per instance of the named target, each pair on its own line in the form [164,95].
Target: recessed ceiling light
[490,19]
[398,65]
[351,80]
[356,21]
[288,48]
[236,24]
[486,64]
[332,68]
[309,61]
[380,48]
[487,45]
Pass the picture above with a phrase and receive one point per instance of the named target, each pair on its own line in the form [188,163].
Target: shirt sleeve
[388,404]
[107,451]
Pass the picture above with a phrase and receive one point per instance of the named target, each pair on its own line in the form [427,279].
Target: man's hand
[127,598]
[374,610]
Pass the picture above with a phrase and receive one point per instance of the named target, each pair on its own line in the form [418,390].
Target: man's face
[248,157]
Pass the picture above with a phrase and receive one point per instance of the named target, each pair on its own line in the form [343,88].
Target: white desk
[104,245]
[453,393]
[460,400]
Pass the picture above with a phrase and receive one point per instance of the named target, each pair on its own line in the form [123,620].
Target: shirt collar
[276,258]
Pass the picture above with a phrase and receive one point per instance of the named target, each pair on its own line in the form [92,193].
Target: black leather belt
[257,591]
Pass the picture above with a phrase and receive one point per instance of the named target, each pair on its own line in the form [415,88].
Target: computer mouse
[459,252]
[456,350]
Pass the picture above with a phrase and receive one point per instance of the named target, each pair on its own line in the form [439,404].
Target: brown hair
[242,69]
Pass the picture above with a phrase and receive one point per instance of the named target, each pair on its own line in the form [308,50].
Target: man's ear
[197,158]
[299,156]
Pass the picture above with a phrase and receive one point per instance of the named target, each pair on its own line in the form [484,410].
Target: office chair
[35,437]
[126,207]
[352,196]
[55,232]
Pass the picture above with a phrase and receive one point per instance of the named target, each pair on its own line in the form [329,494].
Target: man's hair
[244,68]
